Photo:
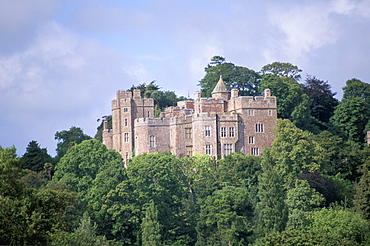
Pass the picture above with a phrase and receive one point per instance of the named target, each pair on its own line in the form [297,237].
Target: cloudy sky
[61,62]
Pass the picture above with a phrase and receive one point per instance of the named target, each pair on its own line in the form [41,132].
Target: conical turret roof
[220,86]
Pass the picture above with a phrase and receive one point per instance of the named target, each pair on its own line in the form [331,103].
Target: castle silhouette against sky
[216,126]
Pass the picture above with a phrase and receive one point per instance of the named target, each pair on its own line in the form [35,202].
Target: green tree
[150,227]
[35,157]
[162,99]
[350,119]
[225,218]
[92,171]
[340,157]
[301,200]
[84,234]
[342,222]
[324,185]
[67,139]
[293,103]
[100,128]
[357,88]
[150,177]
[27,214]
[294,151]
[304,237]
[241,78]
[362,196]
[321,98]
[282,69]
[271,210]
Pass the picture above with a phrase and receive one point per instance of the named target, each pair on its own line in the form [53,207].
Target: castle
[215,126]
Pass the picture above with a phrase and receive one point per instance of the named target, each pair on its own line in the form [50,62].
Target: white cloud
[61,80]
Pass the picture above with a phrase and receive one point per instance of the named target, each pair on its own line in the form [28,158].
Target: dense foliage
[311,187]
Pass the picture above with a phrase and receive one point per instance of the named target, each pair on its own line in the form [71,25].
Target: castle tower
[220,90]
[125,109]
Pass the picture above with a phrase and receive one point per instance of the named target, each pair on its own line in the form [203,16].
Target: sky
[62,61]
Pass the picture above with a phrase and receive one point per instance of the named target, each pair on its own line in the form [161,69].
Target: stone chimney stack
[267,93]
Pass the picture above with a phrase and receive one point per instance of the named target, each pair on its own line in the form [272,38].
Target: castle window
[126,137]
[187,132]
[207,131]
[269,112]
[254,151]
[251,140]
[250,112]
[223,132]
[126,122]
[148,114]
[151,141]
[231,132]
[208,149]
[189,150]
[228,149]
[259,127]
[125,109]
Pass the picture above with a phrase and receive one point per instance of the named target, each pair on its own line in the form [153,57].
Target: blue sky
[61,62]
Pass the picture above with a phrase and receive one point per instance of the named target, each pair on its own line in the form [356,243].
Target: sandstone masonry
[215,126]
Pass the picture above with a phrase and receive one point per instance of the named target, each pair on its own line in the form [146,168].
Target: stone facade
[216,126]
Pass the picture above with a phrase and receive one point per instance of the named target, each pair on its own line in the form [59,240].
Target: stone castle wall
[215,126]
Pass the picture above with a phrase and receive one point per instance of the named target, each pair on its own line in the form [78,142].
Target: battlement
[151,121]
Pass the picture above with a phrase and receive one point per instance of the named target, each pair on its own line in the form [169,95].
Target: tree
[84,234]
[67,139]
[100,128]
[35,157]
[340,157]
[362,196]
[350,119]
[225,218]
[150,227]
[294,151]
[162,99]
[28,214]
[325,186]
[342,222]
[241,78]
[301,200]
[150,177]
[322,101]
[282,69]
[271,210]
[357,88]
[304,237]
[293,103]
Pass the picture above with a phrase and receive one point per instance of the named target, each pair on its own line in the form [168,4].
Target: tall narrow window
[259,127]
[189,150]
[207,131]
[208,149]
[250,112]
[126,138]
[126,122]
[251,140]
[151,141]
[269,112]
[231,132]
[188,133]
[228,149]
[254,151]
[148,114]
[223,132]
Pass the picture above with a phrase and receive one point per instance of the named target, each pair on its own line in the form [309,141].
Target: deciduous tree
[241,78]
